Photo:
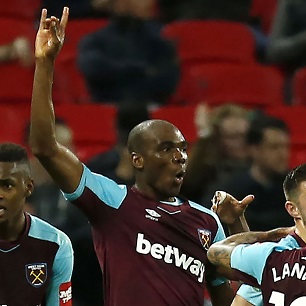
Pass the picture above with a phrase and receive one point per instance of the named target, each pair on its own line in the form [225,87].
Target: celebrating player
[151,243]
[277,268]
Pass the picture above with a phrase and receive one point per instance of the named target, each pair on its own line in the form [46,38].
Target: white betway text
[171,255]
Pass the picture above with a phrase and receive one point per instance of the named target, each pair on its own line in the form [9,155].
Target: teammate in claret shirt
[151,243]
[36,259]
[277,268]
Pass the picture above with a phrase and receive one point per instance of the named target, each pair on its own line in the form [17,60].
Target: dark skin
[157,148]
[15,186]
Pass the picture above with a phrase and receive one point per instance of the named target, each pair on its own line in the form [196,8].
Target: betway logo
[170,255]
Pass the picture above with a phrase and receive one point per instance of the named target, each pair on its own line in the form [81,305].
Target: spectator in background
[268,140]
[18,50]
[49,204]
[128,60]
[115,163]
[220,149]
[287,44]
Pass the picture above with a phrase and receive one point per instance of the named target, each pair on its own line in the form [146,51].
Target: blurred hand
[50,35]
[228,208]
[22,51]
[202,120]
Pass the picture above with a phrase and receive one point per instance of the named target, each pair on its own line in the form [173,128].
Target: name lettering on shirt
[297,271]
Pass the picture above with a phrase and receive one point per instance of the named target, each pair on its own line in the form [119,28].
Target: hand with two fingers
[51,34]
[228,208]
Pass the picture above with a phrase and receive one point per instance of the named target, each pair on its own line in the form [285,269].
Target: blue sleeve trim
[220,235]
[104,188]
[251,294]
[251,258]
[63,261]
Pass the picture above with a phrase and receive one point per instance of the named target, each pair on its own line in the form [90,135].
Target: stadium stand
[69,84]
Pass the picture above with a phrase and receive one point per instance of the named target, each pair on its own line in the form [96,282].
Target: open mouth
[179,177]
[2,210]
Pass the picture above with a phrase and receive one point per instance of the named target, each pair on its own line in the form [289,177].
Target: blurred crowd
[137,61]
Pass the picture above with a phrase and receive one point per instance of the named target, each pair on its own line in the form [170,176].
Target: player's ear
[292,209]
[137,160]
[29,188]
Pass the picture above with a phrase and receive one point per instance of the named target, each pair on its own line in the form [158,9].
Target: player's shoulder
[202,209]
[43,230]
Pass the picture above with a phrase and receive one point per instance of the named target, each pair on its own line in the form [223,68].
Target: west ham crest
[205,237]
[36,274]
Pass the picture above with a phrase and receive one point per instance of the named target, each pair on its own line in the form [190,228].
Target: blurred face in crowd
[272,154]
[232,132]
[64,136]
[136,8]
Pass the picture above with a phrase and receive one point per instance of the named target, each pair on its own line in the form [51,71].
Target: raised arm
[220,252]
[63,165]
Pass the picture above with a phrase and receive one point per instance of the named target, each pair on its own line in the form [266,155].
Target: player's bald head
[145,131]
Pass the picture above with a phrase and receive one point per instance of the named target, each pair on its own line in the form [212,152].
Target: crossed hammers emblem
[36,276]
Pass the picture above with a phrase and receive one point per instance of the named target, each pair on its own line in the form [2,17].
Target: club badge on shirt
[205,237]
[36,274]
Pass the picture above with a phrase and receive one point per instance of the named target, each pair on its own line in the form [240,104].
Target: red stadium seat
[69,84]
[16,80]
[180,116]
[24,9]
[207,41]
[92,125]
[200,42]
[299,87]
[13,119]
[11,28]
[249,85]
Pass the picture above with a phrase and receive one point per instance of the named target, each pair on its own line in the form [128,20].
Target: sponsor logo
[65,294]
[170,255]
[36,274]
[205,237]
[152,214]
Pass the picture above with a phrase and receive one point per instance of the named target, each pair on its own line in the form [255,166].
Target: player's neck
[149,192]
[10,231]
[300,230]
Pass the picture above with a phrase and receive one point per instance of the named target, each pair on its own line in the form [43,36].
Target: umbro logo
[152,214]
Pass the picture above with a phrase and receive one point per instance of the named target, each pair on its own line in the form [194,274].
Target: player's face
[15,186]
[165,161]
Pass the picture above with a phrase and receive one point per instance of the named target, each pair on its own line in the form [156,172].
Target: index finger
[64,19]
[43,17]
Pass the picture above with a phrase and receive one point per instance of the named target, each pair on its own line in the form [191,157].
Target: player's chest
[164,229]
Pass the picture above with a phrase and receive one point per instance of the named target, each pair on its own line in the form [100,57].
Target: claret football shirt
[151,253]
[36,269]
[277,268]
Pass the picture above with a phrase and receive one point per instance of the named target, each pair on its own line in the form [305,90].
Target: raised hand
[51,34]
[228,208]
